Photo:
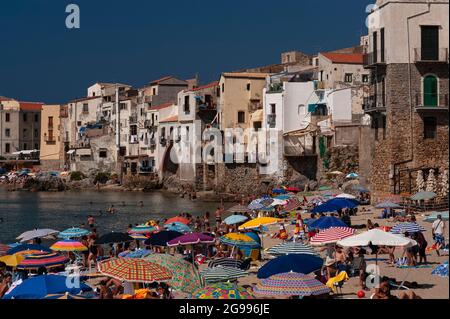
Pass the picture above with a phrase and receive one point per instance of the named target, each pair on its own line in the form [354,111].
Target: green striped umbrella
[220,273]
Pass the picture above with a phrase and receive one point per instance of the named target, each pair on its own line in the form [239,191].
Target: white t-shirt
[438,227]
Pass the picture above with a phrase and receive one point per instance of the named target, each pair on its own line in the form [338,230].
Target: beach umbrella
[301,263]
[221,273]
[225,262]
[73,232]
[28,249]
[138,236]
[352,176]
[334,205]
[66,296]
[291,284]
[293,189]
[326,222]
[260,203]
[376,237]
[331,235]
[424,196]
[407,227]
[3,249]
[258,222]
[431,218]
[238,209]
[267,209]
[222,291]
[40,286]
[239,240]
[288,248]
[184,276]
[336,173]
[191,239]
[113,237]
[283,197]
[161,238]
[36,233]
[134,270]
[12,260]
[279,191]
[347,196]
[441,270]
[278,202]
[388,205]
[324,188]
[177,219]
[178,227]
[47,260]
[138,253]
[235,219]
[292,204]
[68,245]
[142,230]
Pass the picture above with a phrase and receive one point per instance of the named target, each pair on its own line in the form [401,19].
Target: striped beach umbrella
[292,204]
[225,262]
[331,235]
[288,248]
[258,222]
[184,276]
[68,245]
[238,239]
[142,230]
[221,273]
[134,270]
[222,291]
[73,232]
[407,227]
[291,284]
[47,260]
[138,236]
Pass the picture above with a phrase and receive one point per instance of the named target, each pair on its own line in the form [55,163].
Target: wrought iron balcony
[427,55]
[374,103]
[431,102]
[373,59]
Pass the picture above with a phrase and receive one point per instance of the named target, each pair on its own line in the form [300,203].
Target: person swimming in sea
[111,209]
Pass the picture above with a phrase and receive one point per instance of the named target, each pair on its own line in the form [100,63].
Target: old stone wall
[395,145]
[343,158]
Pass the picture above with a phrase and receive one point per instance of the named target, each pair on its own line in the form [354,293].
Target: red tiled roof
[344,58]
[160,106]
[216,83]
[170,119]
[31,106]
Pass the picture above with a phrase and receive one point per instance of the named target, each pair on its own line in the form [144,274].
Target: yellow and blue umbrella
[240,240]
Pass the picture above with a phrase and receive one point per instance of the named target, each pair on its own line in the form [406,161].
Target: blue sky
[136,41]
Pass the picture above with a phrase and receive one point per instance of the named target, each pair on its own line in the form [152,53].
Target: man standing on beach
[438,233]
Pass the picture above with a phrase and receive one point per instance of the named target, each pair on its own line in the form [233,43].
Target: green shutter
[430,88]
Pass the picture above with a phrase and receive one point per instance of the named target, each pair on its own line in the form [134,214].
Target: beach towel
[416,267]
[331,283]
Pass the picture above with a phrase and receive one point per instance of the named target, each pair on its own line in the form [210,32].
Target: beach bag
[401,262]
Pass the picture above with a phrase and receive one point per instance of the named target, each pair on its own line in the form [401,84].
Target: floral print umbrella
[222,291]
[185,277]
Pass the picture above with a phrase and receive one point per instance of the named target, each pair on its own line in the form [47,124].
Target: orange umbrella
[177,219]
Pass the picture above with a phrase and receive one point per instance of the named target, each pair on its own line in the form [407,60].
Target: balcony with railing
[372,59]
[431,55]
[431,102]
[272,120]
[374,103]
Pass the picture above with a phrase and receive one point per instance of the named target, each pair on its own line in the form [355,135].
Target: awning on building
[84,152]
[257,116]
[70,152]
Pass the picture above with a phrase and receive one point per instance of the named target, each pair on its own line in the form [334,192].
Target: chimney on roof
[193,83]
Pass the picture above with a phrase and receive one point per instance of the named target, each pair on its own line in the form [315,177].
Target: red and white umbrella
[331,235]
